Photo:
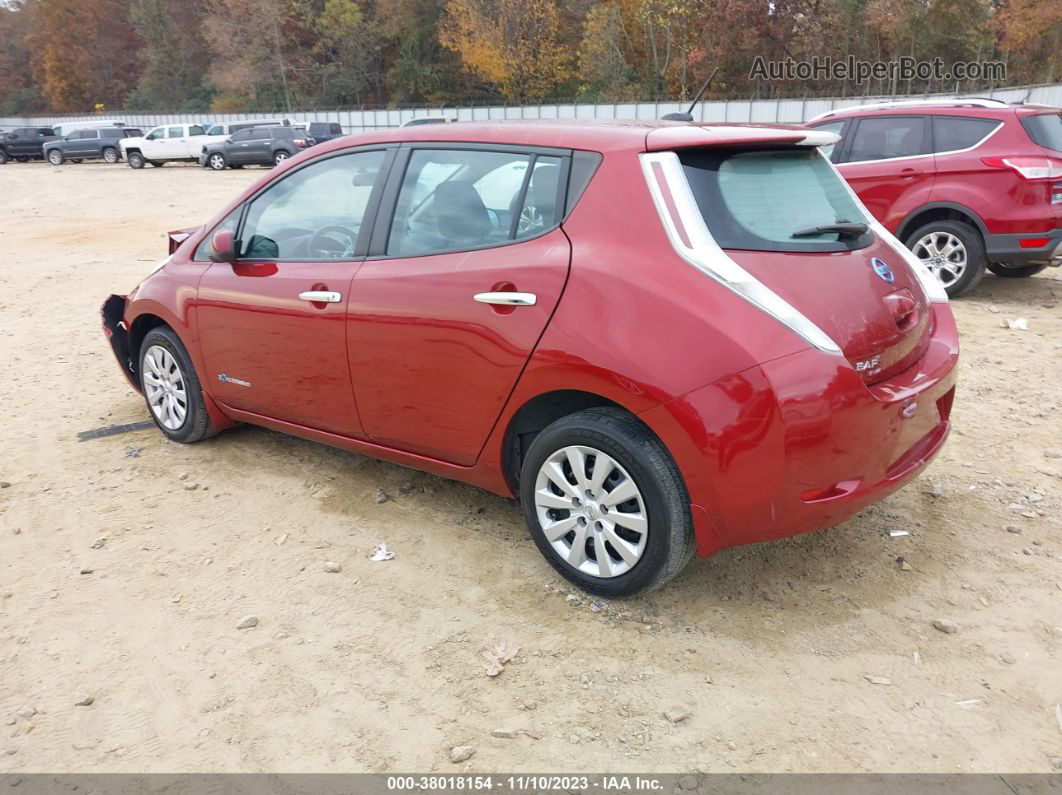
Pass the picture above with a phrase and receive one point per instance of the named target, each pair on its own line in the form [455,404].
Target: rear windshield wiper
[842,230]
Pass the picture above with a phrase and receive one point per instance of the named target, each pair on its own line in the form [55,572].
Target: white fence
[761,111]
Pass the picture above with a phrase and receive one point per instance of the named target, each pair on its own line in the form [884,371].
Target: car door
[272,326]
[236,148]
[86,144]
[887,160]
[176,142]
[154,146]
[466,266]
[259,146]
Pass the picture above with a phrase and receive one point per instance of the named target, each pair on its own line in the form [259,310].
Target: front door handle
[507,299]
[321,296]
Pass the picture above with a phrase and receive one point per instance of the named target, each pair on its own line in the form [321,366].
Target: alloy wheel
[164,387]
[944,254]
[591,511]
[55,158]
[280,157]
[217,162]
[110,156]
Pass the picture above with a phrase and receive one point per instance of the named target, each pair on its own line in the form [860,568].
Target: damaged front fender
[112,314]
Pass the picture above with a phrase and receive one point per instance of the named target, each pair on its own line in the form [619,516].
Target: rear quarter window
[758,200]
[951,133]
[1045,130]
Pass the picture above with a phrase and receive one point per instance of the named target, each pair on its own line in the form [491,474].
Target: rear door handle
[507,299]
[321,296]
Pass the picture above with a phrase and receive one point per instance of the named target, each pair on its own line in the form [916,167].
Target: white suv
[169,142]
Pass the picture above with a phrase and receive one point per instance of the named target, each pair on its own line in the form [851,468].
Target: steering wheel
[332,242]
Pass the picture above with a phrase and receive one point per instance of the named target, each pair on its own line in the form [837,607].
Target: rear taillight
[1028,167]
[300,142]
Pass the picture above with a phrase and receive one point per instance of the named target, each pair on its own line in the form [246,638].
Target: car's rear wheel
[280,157]
[171,388]
[953,252]
[55,157]
[605,503]
[136,160]
[110,155]
[216,161]
[1016,271]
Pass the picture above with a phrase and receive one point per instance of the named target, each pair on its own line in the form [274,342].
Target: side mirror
[223,246]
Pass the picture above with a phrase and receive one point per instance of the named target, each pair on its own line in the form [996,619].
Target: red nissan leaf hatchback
[663,339]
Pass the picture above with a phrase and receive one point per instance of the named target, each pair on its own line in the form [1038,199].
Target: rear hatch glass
[785,216]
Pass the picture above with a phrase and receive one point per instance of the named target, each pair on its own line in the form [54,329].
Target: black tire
[216,161]
[136,159]
[1017,271]
[157,163]
[976,260]
[110,154]
[3,157]
[238,165]
[669,543]
[280,156]
[55,157]
[196,425]
[23,158]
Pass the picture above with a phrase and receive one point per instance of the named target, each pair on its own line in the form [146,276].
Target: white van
[67,127]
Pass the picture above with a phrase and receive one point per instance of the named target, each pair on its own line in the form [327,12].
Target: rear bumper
[801,443]
[1037,248]
[112,313]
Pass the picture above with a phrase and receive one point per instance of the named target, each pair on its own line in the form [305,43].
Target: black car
[98,143]
[25,143]
[264,146]
[322,131]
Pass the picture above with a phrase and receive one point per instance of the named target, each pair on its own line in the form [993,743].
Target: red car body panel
[411,370]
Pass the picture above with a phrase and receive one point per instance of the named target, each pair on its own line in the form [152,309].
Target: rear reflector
[1034,242]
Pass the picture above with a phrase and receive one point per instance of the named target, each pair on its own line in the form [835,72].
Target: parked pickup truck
[99,143]
[166,143]
[25,143]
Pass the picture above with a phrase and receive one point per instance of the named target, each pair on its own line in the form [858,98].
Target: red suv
[966,184]
[662,338]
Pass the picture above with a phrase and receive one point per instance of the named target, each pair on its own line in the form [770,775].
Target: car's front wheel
[605,503]
[135,159]
[110,155]
[1016,271]
[55,157]
[171,388]
[953,252]
[216,161]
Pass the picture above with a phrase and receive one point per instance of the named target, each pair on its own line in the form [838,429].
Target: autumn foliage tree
[513,45]
[234,55]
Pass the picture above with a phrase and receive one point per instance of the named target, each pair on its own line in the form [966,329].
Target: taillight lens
[1028,167]
[300,142]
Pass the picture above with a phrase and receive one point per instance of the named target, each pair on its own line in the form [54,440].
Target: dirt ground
[126,563]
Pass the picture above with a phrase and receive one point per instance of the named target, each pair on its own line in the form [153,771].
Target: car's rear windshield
[758,200]
[1045,129]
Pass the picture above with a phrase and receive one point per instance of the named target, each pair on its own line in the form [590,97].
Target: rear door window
[760,200]
[196,129]
[885,138]
[175,132]
[951,133]
[455,200]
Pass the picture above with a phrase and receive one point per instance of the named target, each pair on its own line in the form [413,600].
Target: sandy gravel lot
[378,667]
